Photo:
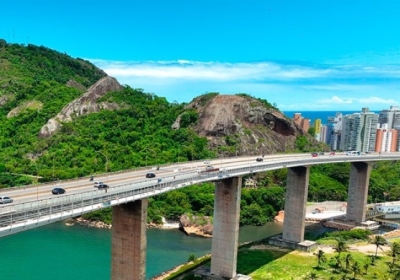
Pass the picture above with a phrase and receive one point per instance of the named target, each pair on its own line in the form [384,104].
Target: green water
[64,252]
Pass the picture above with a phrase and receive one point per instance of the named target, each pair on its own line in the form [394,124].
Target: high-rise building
[323,133]
[359,131]
[302,122]
[391,117]
[317,129]
[386,139]
[334,131]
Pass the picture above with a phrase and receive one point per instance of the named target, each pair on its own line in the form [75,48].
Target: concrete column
[358,191]
[295,204]
[128,252]
[226,227]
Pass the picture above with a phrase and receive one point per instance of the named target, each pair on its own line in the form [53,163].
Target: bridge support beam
[358,191]
[295,204]
[226,227]
[128,253]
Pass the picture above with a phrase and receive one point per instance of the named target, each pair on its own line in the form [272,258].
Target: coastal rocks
[280,217]
[196,225]
[83,105]
[95,224]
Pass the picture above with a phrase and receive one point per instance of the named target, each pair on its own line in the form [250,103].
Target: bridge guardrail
[77,204]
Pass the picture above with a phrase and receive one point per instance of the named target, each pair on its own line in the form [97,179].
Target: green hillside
[37,82]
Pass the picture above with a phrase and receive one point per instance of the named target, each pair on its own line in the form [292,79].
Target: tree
[321,257]
[191,258]
[394,251]
[341,246]
[356,269]
[366,266]
[378,241]
[313,276]
[348,260]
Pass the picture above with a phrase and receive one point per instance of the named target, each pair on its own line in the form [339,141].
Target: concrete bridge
[35,206]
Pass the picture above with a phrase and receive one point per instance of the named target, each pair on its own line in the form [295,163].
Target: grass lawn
[274,263]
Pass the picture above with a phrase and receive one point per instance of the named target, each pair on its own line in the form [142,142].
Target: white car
[5,199]
[207,161]
[97,184]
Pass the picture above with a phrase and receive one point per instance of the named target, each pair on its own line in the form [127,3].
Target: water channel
[65,252]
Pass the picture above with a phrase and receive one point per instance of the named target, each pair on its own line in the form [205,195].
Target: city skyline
[305,56]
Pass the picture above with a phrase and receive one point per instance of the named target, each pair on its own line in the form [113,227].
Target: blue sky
[301,55]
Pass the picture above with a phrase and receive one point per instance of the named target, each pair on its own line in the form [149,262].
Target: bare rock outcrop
[195,225]
[244,123]
[83,105]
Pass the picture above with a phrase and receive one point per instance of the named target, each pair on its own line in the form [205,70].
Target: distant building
[323,133]
[386,139]
[317,128]
[359,131]
[304,123]
[334,131]
[391,117]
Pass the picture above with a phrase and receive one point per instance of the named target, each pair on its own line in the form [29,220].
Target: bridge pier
[295,204]
[358,191]
[128,253]
[226,227]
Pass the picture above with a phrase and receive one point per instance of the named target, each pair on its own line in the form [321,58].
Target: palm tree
[394,251]
[341,246]
[372,259]
[356,269]
[321,257]
[366,266]
[313,276]
[338,261]
[348,260]
[378,241]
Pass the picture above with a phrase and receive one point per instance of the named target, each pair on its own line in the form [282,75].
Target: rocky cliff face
[244,124]
[194,225]
[83,105]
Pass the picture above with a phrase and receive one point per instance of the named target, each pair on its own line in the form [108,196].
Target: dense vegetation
[36,83]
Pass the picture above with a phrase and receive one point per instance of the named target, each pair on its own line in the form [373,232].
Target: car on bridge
[57,191]
[102,186]
[209,168]
[150,175]
[97,184]
[259,159]
[314,154]
[5,199]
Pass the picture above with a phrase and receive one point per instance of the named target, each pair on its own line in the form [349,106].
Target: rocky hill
[242,125]
[84,105]
[62,117]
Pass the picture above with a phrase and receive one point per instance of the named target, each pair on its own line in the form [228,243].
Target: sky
[299,55]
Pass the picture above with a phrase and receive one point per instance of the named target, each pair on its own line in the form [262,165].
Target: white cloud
[291,86]
[336,100]
[184,69]
[375,100]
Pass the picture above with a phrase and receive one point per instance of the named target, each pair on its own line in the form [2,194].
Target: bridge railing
[71,205]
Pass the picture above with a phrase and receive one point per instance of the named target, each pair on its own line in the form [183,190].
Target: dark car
[58,191]
[259,159]
[102,186]
[150,175]
[5,199]
[209,168]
